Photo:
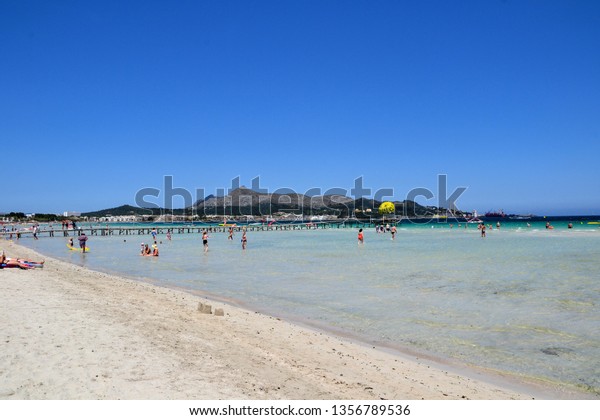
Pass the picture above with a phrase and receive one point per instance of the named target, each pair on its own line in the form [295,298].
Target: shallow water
[521,300]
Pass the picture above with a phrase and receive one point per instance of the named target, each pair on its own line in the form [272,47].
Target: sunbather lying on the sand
[6,262]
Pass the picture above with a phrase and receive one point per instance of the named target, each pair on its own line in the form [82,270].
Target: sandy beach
[71,333]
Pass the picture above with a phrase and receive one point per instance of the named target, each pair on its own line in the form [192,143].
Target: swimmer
[361,238]
[394,230]
[244,239]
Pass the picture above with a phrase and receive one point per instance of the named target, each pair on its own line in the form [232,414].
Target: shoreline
[72,333]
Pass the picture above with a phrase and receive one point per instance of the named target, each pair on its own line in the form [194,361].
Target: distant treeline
[39,217]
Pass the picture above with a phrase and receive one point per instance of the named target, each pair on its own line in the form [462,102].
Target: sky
[100,100]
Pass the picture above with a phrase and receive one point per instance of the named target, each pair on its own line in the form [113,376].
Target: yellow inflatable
[72,248]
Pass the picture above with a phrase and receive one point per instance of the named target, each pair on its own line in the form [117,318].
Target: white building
[113,219]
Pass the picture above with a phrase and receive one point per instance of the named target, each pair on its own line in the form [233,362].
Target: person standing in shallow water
[361,237]
[82,241]
[205,240]
[244,239]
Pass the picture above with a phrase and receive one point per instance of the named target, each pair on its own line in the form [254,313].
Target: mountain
[124,210]
[208,197]
[245,202]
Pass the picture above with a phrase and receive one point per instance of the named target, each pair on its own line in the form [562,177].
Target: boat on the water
[498,213]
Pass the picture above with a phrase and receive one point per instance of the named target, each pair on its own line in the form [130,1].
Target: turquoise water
[523,300]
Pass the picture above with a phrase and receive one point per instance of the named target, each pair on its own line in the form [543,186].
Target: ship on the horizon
[499,213]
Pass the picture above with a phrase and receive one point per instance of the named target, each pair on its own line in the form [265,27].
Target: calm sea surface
[523,300]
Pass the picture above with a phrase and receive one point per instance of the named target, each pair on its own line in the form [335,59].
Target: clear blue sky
[99,99]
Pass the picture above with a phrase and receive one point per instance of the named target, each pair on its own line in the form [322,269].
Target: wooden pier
[185,229]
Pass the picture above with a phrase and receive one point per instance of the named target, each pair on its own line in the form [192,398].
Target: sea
[523,301]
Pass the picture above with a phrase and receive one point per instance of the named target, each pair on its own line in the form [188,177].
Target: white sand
[70,333]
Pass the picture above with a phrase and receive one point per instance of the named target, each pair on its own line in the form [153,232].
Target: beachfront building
[171,218]
[117,219]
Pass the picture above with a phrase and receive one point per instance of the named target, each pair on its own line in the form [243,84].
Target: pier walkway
[185,229]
